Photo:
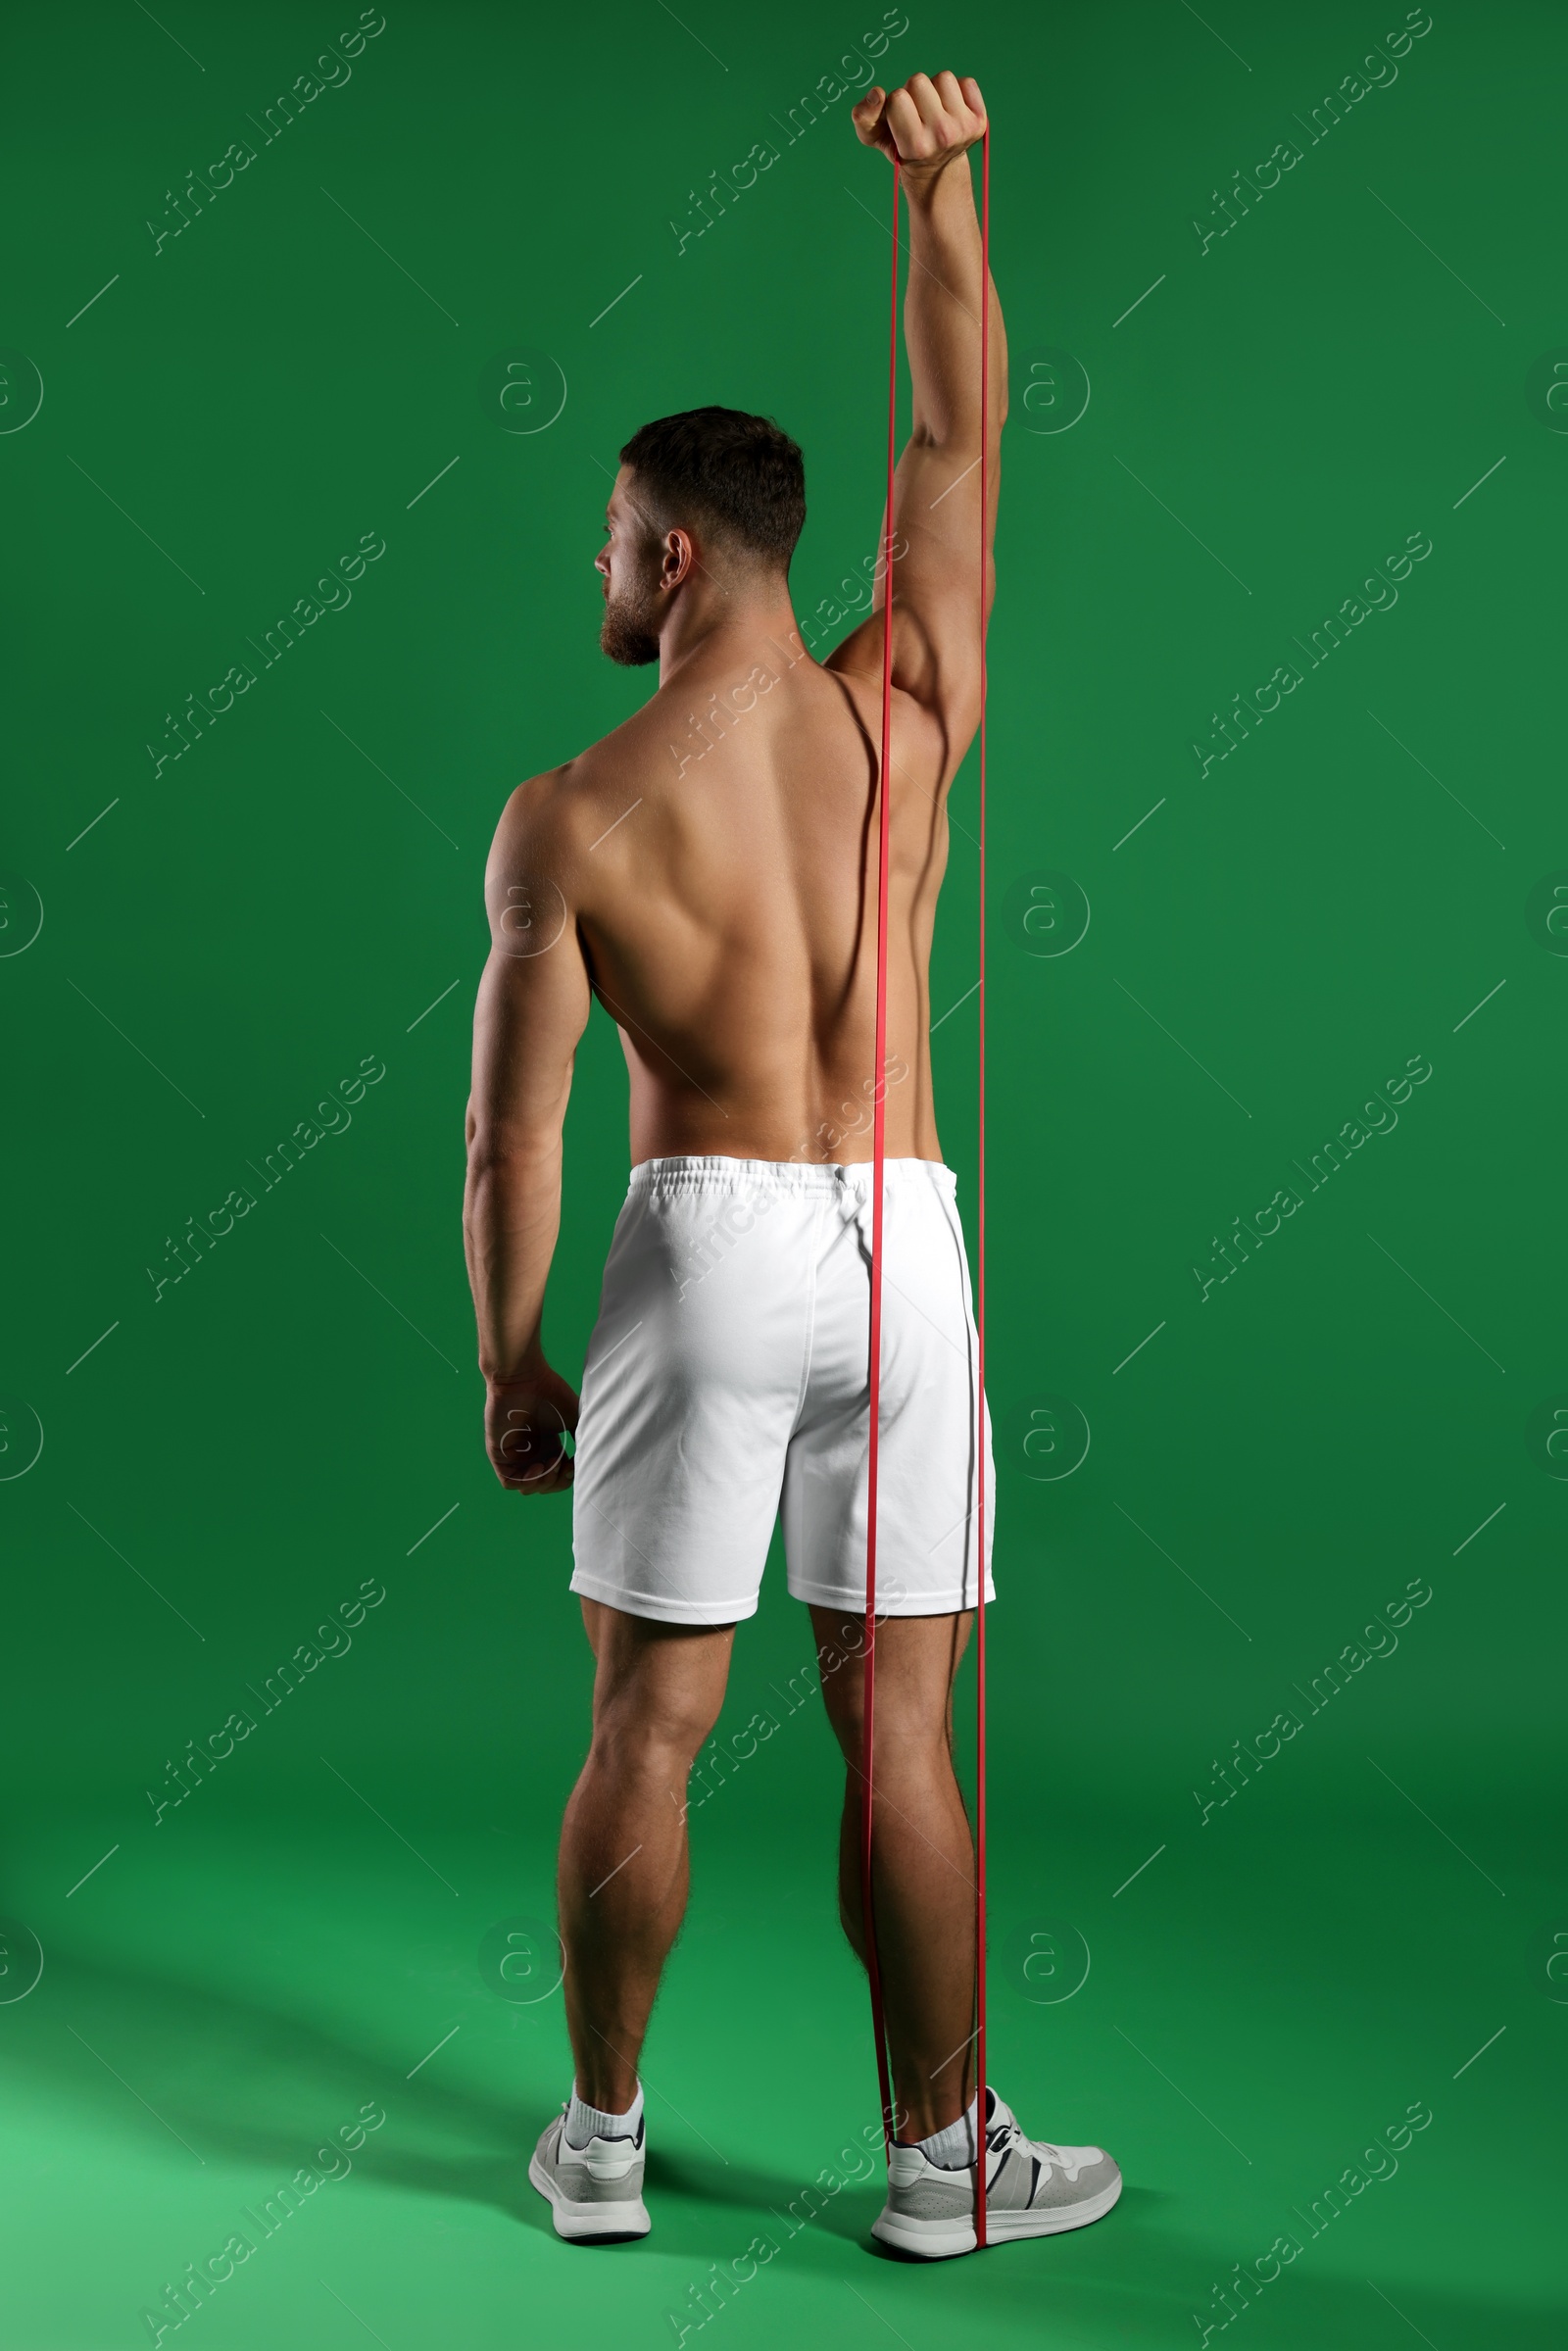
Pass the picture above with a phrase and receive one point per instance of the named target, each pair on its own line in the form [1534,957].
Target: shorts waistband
[719,1174]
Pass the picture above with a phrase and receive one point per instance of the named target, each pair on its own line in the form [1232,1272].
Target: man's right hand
[927,124]
[524,1423]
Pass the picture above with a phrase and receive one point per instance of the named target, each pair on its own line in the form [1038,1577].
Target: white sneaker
[595,2190]
[1032,2189]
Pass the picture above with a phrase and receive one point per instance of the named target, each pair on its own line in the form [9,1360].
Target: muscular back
[708,870]
[723,882]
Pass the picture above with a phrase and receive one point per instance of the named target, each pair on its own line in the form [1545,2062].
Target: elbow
[503,1151]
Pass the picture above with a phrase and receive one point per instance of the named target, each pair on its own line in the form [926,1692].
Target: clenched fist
[524,1423]
[926,124]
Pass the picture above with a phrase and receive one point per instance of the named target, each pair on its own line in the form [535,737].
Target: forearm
[942,312]
[511,1220]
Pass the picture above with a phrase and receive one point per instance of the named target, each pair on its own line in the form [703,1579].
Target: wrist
[923,179]
[521,1371]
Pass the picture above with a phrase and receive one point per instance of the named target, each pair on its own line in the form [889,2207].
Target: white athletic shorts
[727,1385]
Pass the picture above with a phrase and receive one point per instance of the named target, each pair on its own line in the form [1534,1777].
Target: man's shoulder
[555,806]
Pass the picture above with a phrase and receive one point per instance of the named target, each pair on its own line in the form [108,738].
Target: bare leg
[625,1864]
[923,1851]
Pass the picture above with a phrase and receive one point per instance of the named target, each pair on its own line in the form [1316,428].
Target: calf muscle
[923,1881]
[624,1869]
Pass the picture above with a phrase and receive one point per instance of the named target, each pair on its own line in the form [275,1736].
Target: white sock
[953,2147]
[584,2123]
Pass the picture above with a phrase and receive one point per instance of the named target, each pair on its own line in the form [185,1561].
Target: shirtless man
[708,872]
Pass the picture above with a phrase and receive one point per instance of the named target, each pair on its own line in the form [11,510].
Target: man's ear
[679,560]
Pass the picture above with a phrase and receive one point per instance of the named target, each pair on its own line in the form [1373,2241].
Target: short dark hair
[741,474]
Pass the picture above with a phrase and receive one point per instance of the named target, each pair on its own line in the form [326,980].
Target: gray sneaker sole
[574,2221]
[940,2240]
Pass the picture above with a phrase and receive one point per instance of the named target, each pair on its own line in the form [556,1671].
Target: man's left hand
[525,1420]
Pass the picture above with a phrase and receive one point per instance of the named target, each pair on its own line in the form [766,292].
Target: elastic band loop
[878,1162]
[878,1169]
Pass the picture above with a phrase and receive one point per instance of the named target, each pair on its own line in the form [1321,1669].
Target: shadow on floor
[235,2076]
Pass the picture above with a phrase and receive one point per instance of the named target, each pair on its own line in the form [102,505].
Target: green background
[224,945]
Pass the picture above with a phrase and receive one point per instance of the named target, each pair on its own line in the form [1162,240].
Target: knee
[660,1734]
[911,1722]
[911,1708]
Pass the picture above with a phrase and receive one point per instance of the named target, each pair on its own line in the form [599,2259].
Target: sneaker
[1032,2189]
[595,2190]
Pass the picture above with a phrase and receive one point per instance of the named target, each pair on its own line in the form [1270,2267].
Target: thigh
[917,1659]
[662,1679]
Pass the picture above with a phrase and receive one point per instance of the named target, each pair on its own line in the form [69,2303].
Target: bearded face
[627,632]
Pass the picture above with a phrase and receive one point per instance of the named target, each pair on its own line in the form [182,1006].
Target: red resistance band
[879,1163]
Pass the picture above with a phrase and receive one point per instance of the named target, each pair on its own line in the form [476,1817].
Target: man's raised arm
[937,490]
[532,1008]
